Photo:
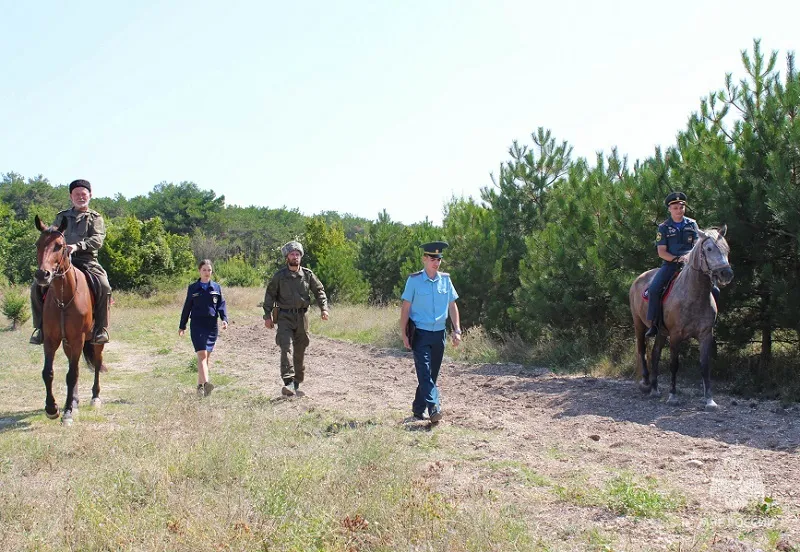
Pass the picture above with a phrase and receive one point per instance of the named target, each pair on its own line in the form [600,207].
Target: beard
[294,262]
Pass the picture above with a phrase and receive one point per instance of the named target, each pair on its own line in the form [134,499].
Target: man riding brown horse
[85,232]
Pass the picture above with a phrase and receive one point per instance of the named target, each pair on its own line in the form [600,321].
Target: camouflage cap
[292,246]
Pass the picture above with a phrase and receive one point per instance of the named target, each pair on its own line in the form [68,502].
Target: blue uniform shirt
[203,301]
[679,237]
[430,299]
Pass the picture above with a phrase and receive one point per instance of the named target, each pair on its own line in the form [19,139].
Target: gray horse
[689,311]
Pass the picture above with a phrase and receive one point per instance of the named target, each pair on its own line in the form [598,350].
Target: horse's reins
[58,273]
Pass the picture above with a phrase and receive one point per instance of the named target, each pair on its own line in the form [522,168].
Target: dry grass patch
[158,469]
[378,326]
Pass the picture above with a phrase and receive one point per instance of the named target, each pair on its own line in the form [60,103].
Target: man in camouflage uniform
[85,234]
[289,292]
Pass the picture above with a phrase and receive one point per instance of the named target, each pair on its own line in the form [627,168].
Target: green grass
[625,496]
[157,469]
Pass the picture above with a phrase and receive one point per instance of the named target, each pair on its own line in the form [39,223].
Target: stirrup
[100,338]
[652,331]
[37,337]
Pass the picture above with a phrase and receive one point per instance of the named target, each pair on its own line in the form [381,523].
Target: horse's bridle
[708,271]
[57,272]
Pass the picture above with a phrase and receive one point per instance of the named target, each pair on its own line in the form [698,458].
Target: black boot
[37,306]
[37,338]
[101,319]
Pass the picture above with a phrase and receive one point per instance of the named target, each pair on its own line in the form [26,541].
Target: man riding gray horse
[675,239]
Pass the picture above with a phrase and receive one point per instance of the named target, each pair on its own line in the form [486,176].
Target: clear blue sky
[353,106]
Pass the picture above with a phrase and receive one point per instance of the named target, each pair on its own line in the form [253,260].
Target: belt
[295,310]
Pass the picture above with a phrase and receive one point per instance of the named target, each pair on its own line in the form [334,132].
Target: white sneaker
[288,389]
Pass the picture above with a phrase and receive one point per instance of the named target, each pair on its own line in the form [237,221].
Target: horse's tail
[88,355]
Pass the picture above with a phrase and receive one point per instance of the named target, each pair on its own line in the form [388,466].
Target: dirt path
[560,427]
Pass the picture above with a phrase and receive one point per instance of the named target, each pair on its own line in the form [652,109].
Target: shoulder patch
[658,236]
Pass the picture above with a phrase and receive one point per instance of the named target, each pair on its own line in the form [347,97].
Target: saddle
[94,285]
[665,290]
[91,279]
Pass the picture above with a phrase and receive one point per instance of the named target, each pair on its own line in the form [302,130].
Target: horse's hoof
[644,387]
[655,393]
[711,405]
[96,402]
[65,421]
[673,400]
[53,415]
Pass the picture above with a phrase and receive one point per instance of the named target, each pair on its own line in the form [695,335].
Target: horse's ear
[39,225]
[702,234]
[63,225]
[723,230]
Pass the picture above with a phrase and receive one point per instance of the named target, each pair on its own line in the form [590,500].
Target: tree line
[548,249]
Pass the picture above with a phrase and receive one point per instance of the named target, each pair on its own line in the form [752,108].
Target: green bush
[236,272]
[15,308]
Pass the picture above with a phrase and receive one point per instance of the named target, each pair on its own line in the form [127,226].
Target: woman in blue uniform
[204,303]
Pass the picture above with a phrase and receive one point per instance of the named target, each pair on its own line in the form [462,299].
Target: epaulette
[416,273]
[690,220]
[445,274]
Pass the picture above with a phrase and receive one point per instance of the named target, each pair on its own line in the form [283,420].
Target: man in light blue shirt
[428,298]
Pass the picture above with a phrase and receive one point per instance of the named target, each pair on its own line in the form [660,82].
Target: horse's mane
[713,234]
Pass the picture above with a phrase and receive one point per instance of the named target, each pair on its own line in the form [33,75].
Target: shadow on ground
[760,424]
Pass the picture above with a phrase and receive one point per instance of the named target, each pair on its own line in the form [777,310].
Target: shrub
[236,272]
[15,308]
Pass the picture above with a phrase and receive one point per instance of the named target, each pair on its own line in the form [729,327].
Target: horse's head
[710,255]
[51,252]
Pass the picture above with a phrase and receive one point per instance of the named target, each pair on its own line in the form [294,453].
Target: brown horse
[67,319]
[690,310]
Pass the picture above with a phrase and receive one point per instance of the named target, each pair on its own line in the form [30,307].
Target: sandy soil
[563,428]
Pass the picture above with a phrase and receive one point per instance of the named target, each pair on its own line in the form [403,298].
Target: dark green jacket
[293,290]
[87,230]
